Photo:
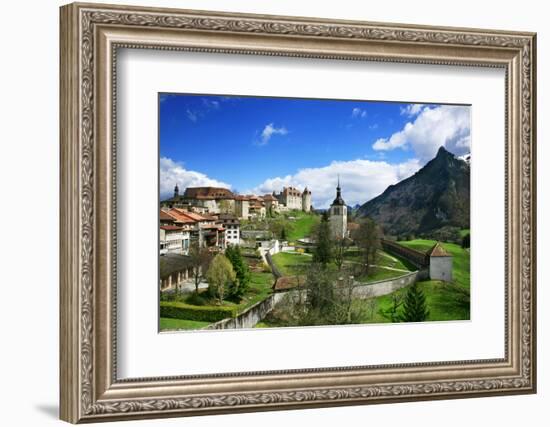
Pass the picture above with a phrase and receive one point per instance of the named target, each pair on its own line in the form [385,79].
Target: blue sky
[254,144]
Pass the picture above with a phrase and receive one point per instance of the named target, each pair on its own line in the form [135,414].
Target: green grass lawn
[445,301]
[260,287]
[292,264]
[376,274]
[302,226]
[382,258]
[461,259]
[168,324]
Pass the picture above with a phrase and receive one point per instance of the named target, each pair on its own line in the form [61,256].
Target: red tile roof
[213,227]
[184,216]
[165,216]
[171,227]
[208,193]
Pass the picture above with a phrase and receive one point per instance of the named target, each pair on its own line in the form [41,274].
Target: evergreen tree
[323,250]
[414,306]
[283,233]
[242,272]
[320,301]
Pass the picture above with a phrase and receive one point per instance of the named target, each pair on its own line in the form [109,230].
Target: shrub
[196,299]
[180,310]
[165,296]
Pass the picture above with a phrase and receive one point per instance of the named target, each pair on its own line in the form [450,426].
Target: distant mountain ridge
[436,196]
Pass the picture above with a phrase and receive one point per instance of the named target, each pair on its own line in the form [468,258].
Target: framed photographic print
[265,212]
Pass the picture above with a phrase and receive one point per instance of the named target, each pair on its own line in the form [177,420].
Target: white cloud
[207,106]
[411,110]
[360,179]
[358,112]
[446,125]
[192,115]
[269,131]
[172,173]
[210,104]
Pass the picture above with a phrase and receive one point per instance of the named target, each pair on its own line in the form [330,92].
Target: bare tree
[367,239]
[371,303]
[340,248]
[372,306]
[200,260]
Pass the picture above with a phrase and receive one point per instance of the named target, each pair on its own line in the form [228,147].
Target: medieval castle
[216,200]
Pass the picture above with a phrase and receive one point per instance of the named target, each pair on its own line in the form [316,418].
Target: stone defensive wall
[419,259]
[251,316]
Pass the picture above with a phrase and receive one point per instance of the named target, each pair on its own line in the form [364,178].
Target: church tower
[338,215]
[176,191]
[306,200]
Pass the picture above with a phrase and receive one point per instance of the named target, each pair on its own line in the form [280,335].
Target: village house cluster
[211,216]
[180,228]
[217,200]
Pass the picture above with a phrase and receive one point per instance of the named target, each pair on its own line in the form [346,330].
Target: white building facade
[232,227]
[174,239]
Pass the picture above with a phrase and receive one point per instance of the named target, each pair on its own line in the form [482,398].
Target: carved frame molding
[90,36]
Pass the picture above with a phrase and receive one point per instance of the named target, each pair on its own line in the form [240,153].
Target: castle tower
[338,215]
[441,264]
[176,191]
[306,200]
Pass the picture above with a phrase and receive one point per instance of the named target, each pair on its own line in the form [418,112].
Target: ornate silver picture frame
[91,390]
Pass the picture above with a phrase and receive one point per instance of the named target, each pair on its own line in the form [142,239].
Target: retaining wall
[387,286]
[251,316]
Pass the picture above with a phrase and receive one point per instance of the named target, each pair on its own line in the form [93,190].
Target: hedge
[180,310]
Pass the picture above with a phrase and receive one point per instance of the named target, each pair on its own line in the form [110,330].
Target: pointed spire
[338,201]
[176,191]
